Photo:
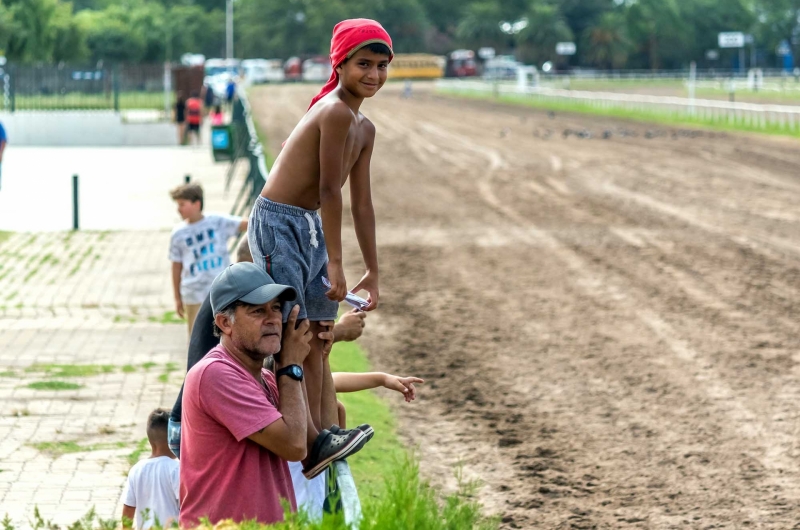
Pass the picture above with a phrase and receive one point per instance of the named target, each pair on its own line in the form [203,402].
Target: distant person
[153,486]
[180,117]
[194,116]
[217,118]
[198,250]
[3,142]
[209,98]
[230,91]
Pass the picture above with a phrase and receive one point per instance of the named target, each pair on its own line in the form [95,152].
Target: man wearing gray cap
[241,423]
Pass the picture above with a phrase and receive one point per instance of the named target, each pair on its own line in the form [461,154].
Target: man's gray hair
[229,312]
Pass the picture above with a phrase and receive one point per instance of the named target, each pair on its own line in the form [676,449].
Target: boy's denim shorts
[288,243]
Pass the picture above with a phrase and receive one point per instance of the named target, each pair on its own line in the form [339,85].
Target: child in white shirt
[151,492]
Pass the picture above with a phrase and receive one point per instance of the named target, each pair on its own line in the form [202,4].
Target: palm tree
[546,27]
[607,44]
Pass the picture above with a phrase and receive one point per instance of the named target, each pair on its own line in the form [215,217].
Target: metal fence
[82,87]
[246,144]
[780,117]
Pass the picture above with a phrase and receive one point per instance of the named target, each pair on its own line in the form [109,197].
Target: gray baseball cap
[248,283]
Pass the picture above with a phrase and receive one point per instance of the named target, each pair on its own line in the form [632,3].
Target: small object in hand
[352,299]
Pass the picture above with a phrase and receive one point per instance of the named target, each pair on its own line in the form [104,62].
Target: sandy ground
[608,326]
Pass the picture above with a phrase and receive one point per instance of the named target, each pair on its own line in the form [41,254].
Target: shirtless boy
[331,142]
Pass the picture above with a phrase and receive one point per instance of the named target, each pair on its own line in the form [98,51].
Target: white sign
[486,53]
[783,49]
[565,48]
[712,55]
[731,39]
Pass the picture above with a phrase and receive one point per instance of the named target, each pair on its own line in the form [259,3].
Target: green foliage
[54,385]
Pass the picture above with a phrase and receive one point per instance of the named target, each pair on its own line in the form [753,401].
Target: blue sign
[220,139]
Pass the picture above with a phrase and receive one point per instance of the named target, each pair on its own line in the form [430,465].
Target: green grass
[4,235]
[169,317]
[8,374]
[71,370]
[77,101]
[384,452]
[141,446]
[54,385]
[128,368]
[655,116]
[61,448]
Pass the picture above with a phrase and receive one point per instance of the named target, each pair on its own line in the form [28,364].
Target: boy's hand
[179,307]
[326,336]
[369,283]
[404,385]
[338,288]
[295,340]
[350,326]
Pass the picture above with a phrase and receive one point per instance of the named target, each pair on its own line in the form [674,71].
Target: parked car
[461,63]
[316,70]
[501,67]
[258,71]
[293,69]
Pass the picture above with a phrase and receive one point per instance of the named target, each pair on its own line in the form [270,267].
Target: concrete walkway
[88,343]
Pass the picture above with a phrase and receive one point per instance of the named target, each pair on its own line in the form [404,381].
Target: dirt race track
[609,327]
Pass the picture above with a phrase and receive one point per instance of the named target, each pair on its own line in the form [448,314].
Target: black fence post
[187,179]
[115,85]
[75,217]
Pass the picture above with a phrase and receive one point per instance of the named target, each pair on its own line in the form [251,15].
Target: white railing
[783,117]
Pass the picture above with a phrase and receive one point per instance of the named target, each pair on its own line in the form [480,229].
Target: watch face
[297,372]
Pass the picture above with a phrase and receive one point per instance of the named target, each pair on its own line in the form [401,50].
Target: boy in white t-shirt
[152,490]
[198,250]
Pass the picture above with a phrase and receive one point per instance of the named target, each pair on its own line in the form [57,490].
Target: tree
[480,25]
[607,44]
[39,27]
[658,31]
[546,27]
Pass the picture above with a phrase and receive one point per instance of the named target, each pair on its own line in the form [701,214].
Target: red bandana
[349,36]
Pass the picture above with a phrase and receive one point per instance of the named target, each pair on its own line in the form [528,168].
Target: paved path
[89,310]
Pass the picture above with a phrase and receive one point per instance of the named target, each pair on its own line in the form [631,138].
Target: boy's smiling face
[364,73]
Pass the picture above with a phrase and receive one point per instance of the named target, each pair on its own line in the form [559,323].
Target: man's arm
[2,148]
[177,267]
[128,513]
[334,127]
[364,218]
[286,437]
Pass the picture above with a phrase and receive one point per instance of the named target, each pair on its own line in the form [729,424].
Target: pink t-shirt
[223,474]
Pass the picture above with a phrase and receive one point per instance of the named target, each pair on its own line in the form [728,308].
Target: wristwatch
[293,370]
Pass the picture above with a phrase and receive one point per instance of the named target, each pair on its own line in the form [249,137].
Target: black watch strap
[294,371]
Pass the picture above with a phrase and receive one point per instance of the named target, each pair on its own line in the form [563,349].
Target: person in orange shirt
[194,117]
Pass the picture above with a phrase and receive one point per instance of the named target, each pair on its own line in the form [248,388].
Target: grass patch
[148,365]
[61,448]
[381,456]
[142,446]
[163,378]
[169,317]
[53,385]
[655,116]
[4,235]
[12,295]
[72,370]
[128,369]
[8,373]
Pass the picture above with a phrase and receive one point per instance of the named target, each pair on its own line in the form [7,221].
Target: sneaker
[330,446]
[364,427]
[174,437]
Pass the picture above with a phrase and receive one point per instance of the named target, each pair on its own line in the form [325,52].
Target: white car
[316,70]
[257,71]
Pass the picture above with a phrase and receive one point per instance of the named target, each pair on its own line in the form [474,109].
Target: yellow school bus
[417,66]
